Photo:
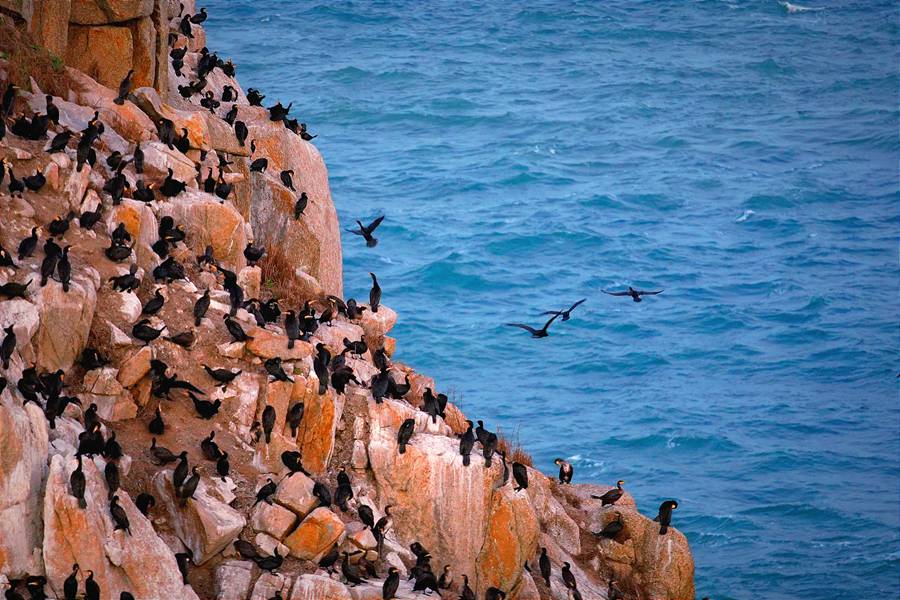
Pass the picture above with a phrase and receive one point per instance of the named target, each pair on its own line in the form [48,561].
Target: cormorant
[111,474]
[565,470]
[294,417]
[489,447]
[612,496]
[293,461]
[568,578]
[124,88]
[253,253]
[374,294]
[240,129]
[287,179]
[493,593]
[77,484]
[182,559]
[144,332]
[366,231]
[350,573]
[112,450]
[535,333]
[88,218]
[633,293]
[545,567]
[155,304]
[223,376]
[520,474]
[389,588]
[186,491]
[466,593]
[300,205]
[181,470]
[118,515]
[144,503]
[268,422]
[59,142]
[223,466]
[366,516]
[28,244]
[209,448]
[235,329]
[205,408]
[446,578]
[405,433]
[171,187]
[200,308]
[184,339]
[612,529]
[265,492]
[270,563]
[7,346]
[137,159]
[70,585]
[665,515]
[565,314]
[157,426]
[320,491]
[91,587]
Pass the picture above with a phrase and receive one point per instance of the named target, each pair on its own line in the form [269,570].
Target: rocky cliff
[79,373]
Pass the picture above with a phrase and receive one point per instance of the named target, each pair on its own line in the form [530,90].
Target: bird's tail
[487,461]
[466,460]
[197,321]
[402,448]
[268,436]
[290,344]
[82,502]
[663,529]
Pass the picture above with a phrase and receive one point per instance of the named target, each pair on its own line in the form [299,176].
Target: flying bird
[536,333]
[367,230]
[635,294]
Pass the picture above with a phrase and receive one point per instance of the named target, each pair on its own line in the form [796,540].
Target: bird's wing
[355,231]
[615,293]
[552,312]
[574,306]
[547,324]
[525,327]
[642,293]
[374,224]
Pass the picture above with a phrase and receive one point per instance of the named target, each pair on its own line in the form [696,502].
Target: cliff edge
[292,483]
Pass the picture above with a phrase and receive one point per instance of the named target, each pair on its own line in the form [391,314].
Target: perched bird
[520,474]
[665,515]
[633,293]
[611,529]
[567,576]
[111,474]
[276,371]
[270,563]
[390,585]
[366,231]
[240,129]
[77,484]
[535,333]
[200,308]
[163,455]
[235,329]
[466,443]
[565,470]
[205,408]
[544,565]
[171,187]
[28,244]
[119,517]
[155,304]
[124,88]
[186,491]
[446,578]
[405,433]
[565,314]
[223,466]
[91,587]
[144,332]
[59,142]
[209,448]
[321,492]
[612,496]
[182,559]
[88,218]
[488,447]
[70,585]
[374,294]
[223,376]
[34,182]
[268,422]
[300,205]
[265,493]
[144,503]
[156,426]
[185,339]
[493,593]
[287,178]
[7,346]
[253,253]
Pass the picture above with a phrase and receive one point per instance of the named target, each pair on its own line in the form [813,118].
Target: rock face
[139,563]
[316,535]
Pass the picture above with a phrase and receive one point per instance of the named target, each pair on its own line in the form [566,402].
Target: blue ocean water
[741,155]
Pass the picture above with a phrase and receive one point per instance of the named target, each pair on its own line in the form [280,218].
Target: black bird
[536,333]
[254,97]
[70,585]
[144,332]
[279,112]
[205,408]
[142,192]
[520,474]
[52,110]
[128,282]
[287,179]
[223,376]
[182,559]
[182,142]
[111,474]
[91,359]
[390,585]
[350,573]
[200,308]
[466,443]
[635,294]
[300,205]
[27,245]
[7,346]
[117,252]
[185,26]
[274,369]
[144,503]
[163,455]
[77,484]
[321,492]
[15,185]
[230,117]
[34,182]
[112,450]
[489,447]
[88,218]
[565,470]
[223,466]
[186,491]
[374,294]
[6,259]
[266,492]
[120,234]
[270,563]
[124,88]
[155,304]
[91,587]
[544,564]
[228,94]
[291,327]
[246,550]
[181,470]
[612,529]
[259,165]
[466,593]
[59,142]
[567,577]
[240,128]
[48,266]
[405,433]
[165,128]
[612,496]
[253,253]
[209,448]
[665,515]
[156,426]
[367,230]
[268,421]
[171,187]
[565,314]
[185,339]
[118,515]
[137,159]
[235,329]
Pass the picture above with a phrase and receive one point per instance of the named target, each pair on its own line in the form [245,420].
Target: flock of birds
[47,390]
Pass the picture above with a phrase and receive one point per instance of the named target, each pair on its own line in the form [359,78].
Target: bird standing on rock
[405,433]
[520,474]
[565,470]
[124,88]
[612,496]
[665,515]
[374,294]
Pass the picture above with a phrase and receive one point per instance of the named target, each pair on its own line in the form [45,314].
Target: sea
[741,156]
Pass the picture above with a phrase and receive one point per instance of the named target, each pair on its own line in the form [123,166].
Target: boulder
[295,492]
[23,468]
[103,12]
[318,587]
[139,563]
[126,120]
[272,519]
[321,415]
[268,584]
[205,524]
[58,346]
[102,52]
[159,158]
[135,367]
[510,539]
[553,518]
[316,535]
[144,38]
[114,403]
[267,344]
[209,223]
[48,23]
[233,579]
[249,278]
[149,101]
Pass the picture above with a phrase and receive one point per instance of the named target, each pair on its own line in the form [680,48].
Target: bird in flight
[367,230]
[565,314]
[635,294]
[536,333]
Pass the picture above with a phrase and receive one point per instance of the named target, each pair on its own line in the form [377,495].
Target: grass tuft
[27,60]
